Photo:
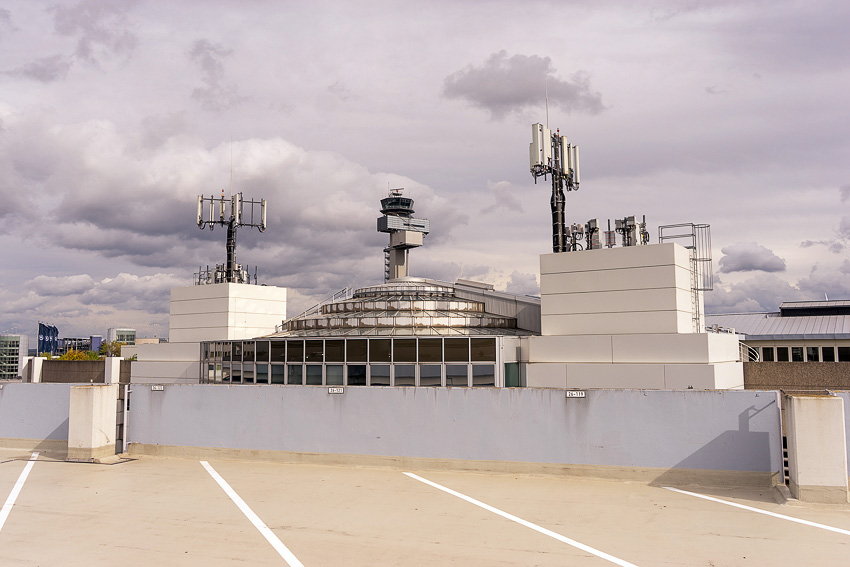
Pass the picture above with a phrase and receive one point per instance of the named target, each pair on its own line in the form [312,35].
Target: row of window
[423,350]
[805,354]
[450,375]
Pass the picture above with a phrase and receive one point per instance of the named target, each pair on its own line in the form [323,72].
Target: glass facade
[407,361]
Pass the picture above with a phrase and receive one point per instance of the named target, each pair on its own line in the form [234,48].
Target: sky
[115,115]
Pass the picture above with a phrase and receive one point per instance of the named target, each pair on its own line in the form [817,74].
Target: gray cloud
[505,84]
[750,257]
[523,284]
[6,24]
[844,191]
[217,93]
[101,27]
[760,293]
[46,70]
[504,197]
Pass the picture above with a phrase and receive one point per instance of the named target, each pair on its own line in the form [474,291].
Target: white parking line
[19,484]
[525,523]
[284,552]
[765,512]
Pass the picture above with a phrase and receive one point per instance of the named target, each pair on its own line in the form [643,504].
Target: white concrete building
[213,312]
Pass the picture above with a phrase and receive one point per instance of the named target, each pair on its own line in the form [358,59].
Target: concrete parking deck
[158,511]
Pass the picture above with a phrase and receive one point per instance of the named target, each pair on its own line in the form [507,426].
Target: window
[483,375]
[457,350]
[796,354]
[405,374]
[294,351]
[483,350]
[262,351]
[335,351]
[278,372]
[314,351]
[456,375]
[356,350]
[430,375]
[314,374]
[248,373]
[248,351]
[294,374]
[828,354]
[262,373]
[430,350]
[404,350]
[333,374]
[237,351]
[767,354]
[225,372]
[843,354]
[357,374]
[782,354]
[812,354]
[236,373]
[379,350]
[279,351]
[225,351]
[380,375]
[512,375]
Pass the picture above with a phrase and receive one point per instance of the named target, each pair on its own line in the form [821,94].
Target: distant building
[801,331]
[127,336]
[13,353]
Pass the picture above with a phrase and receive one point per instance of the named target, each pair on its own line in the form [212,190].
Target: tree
[73,354]
[111,348]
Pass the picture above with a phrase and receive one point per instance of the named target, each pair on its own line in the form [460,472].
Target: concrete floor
[157,511]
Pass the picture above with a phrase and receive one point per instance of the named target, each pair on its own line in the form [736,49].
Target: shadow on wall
[719,455]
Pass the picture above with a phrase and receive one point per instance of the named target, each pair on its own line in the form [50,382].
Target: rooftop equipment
[697,239]
[231,213]
[405,233]
[552,154]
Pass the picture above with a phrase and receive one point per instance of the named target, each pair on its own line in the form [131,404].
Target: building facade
[13,356]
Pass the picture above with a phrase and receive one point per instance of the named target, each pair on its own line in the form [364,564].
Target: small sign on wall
[336,390]
[576,394]
[157,388]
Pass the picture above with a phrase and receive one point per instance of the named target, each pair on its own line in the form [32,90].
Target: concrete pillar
[91,422]
[817,449]
[35,369]
[112,370]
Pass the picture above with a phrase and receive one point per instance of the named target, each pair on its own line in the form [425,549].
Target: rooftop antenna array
[405,233]
[233,213]
[552,154]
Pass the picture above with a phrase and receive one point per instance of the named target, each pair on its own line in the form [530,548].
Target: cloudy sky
[115,115]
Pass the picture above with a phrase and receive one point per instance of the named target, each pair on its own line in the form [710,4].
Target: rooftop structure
[405,233]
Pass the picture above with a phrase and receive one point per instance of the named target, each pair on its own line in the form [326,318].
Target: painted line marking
[525,523]
[760,511]
[19,484]
[284,552]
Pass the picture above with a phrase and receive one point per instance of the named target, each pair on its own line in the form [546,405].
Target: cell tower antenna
[547,101]
[231,166]
[551,154]
[254,215]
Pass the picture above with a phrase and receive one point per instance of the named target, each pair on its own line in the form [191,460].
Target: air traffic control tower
[405,232]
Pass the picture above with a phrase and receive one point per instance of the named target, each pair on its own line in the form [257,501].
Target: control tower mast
[405,233]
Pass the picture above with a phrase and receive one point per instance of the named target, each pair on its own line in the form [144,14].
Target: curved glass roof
[403,307]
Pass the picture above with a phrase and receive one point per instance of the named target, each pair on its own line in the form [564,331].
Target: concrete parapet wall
[799,376]
[73,371]
[34,416]
[732,435]
[92,419]
[817,448]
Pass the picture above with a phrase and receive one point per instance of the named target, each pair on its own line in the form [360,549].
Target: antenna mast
[552,154]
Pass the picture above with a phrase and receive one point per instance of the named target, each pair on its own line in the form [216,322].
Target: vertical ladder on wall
[697,239]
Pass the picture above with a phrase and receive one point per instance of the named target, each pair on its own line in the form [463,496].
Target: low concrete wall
[34,416]
[846,397]
[797,376]
[709,437]
[73,371]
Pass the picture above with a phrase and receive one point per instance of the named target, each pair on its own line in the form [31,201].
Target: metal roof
[771,326]
[817,304]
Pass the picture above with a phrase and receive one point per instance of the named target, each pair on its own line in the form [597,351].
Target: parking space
[173,512]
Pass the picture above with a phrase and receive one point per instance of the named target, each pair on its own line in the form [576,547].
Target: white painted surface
[760,511]
[817,447]
[634,322]
[578,348]
[270,536]
[16,490]
[112,369]
[615,279]
[543,375]
[91,420]
[526,523]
